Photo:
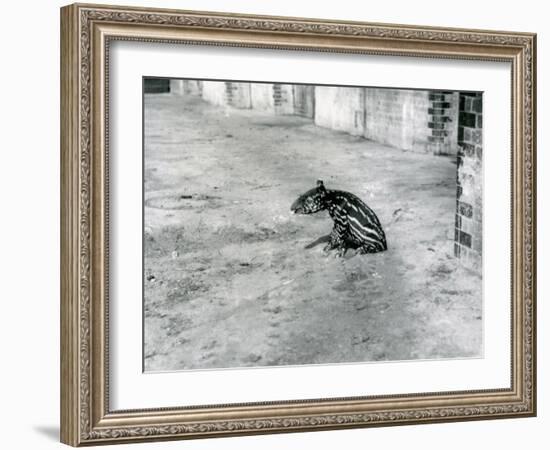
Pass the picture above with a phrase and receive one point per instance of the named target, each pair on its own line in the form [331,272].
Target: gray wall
[262,96]
[340,108]
[214,92]
[411,120]
[398,118]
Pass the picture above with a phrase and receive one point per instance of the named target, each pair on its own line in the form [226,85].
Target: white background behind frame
[29,232]
[132,389]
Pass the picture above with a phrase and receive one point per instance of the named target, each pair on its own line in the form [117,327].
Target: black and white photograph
[291,224]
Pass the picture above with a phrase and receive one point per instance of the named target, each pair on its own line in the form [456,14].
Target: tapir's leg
[337,237]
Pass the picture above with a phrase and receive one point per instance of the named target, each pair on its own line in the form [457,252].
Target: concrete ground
[228,282]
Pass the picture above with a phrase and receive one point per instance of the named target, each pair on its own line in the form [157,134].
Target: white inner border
[130,388]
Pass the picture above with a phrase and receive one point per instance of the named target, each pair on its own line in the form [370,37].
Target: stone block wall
[238,95]
[413,120]
[222,93]
[469,205]
[398,117]
[275,98]
[443,122]
[214,92]
[262,96]
[283,98]
[340,108]
[304,100]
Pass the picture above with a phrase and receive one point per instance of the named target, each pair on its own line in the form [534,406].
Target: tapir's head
[311,201]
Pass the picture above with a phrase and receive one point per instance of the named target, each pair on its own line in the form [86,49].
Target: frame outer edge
[79,425]
[69,311]
[534,158]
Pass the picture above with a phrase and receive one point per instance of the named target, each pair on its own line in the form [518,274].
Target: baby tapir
[355,224]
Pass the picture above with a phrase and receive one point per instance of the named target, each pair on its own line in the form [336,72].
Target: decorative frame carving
[86,31]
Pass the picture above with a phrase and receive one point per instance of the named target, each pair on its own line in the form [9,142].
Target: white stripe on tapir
[354,222]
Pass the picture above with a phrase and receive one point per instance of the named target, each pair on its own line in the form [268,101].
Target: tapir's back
[364,228]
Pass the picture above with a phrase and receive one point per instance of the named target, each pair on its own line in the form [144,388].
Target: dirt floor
[227,280]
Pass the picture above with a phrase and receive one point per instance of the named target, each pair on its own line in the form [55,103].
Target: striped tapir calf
[355,224]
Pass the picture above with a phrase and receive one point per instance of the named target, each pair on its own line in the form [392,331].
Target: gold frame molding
[86,31]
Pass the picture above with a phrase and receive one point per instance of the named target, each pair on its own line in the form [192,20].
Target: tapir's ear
[320,186]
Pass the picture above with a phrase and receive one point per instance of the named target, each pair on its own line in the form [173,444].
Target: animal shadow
[318,241]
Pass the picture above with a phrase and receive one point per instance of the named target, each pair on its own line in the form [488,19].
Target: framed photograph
[275,224]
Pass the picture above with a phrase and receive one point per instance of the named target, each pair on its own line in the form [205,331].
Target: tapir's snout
[296,207]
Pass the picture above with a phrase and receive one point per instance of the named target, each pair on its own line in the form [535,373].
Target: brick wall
[224,93]
[262,96]
[283,98]
[238,94]
[304,100]
[399,118]
[443,122]
[469,204]
[276,98]
[413,120]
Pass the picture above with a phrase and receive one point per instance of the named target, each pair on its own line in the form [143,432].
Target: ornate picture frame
[87,31]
